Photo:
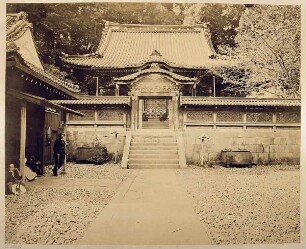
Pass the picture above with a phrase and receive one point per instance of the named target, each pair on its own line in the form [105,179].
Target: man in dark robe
[59,153]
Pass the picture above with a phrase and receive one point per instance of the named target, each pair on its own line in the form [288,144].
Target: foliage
[269,46]
[264,39]
[221,19]
[101,154]
[76,28]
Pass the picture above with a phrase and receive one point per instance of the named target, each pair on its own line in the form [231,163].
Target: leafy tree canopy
[265,39]
[222,19]
[269,46]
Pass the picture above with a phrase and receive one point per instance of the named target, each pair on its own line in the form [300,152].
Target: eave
[41,78]
[96,100]
[41,101]
[229,101]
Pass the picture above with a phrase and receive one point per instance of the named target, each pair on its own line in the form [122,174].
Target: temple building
[147,78]
[146,106]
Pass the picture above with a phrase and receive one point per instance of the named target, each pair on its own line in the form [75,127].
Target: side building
[32,121]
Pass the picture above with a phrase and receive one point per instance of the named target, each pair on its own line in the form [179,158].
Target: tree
[221,19]
[269,40]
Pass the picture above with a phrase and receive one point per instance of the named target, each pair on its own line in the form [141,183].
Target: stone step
[149,127]
[155,132]
[154,144]
[156,147]
[155,152]
[153,156]
[155,123]
[163,136]
[151,150]
[153,161]
[156,166]
[153,140]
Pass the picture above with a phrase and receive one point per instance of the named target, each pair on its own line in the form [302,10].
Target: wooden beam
[23,135]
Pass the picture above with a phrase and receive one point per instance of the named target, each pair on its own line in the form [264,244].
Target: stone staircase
[153,151]
[154,123]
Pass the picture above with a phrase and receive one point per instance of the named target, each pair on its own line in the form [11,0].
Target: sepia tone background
[284,149]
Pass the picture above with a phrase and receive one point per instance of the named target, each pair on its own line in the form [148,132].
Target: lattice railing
[259,117]
[89,115]
[200,116]
[229,116]
[110,115]
[288,117]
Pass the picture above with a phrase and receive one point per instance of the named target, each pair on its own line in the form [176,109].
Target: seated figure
[145,117]
[14,177]
[163,117]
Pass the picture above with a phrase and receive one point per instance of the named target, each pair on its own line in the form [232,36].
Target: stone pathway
[151,208]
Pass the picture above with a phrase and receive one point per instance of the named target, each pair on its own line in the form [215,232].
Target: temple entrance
[154,113]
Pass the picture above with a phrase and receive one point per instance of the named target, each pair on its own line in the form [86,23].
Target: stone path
[151,208]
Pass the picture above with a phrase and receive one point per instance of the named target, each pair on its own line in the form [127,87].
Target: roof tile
[217,101]
[131,45]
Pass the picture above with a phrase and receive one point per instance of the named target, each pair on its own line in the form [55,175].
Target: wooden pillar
[171,114]
[124,117]
[185,118]
[140,111]
[181,117]
[214,114]
[244,120]
[95,121]
[117,90]
[134,118]
[175,112]
[274,118]
[23,135]
[65,133]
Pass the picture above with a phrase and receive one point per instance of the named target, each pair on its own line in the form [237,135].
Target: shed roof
[129,45]
[95,100]
[41,101]
[229,101]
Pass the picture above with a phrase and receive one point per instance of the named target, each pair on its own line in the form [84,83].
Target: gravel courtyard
[239,205]
[247,205]
[56,210]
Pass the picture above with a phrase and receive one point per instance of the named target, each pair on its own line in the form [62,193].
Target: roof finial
[155,53]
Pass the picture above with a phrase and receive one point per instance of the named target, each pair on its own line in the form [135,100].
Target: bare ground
[247,205]
[240,205]
[56,210]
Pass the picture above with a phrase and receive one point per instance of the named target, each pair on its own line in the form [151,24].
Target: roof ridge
[156,25]
[16,25]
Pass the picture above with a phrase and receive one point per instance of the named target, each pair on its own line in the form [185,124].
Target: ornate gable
[154,83]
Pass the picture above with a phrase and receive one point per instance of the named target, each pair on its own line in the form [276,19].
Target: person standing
[59,153]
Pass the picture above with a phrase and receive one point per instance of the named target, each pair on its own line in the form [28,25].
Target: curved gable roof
[154,68]
[19,39]
[127,45]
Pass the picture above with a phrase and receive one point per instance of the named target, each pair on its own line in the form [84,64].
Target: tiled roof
[124,46]
[41,101]
[155,69]
[19,39]
[215,101]
[70,86]
[93,100]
